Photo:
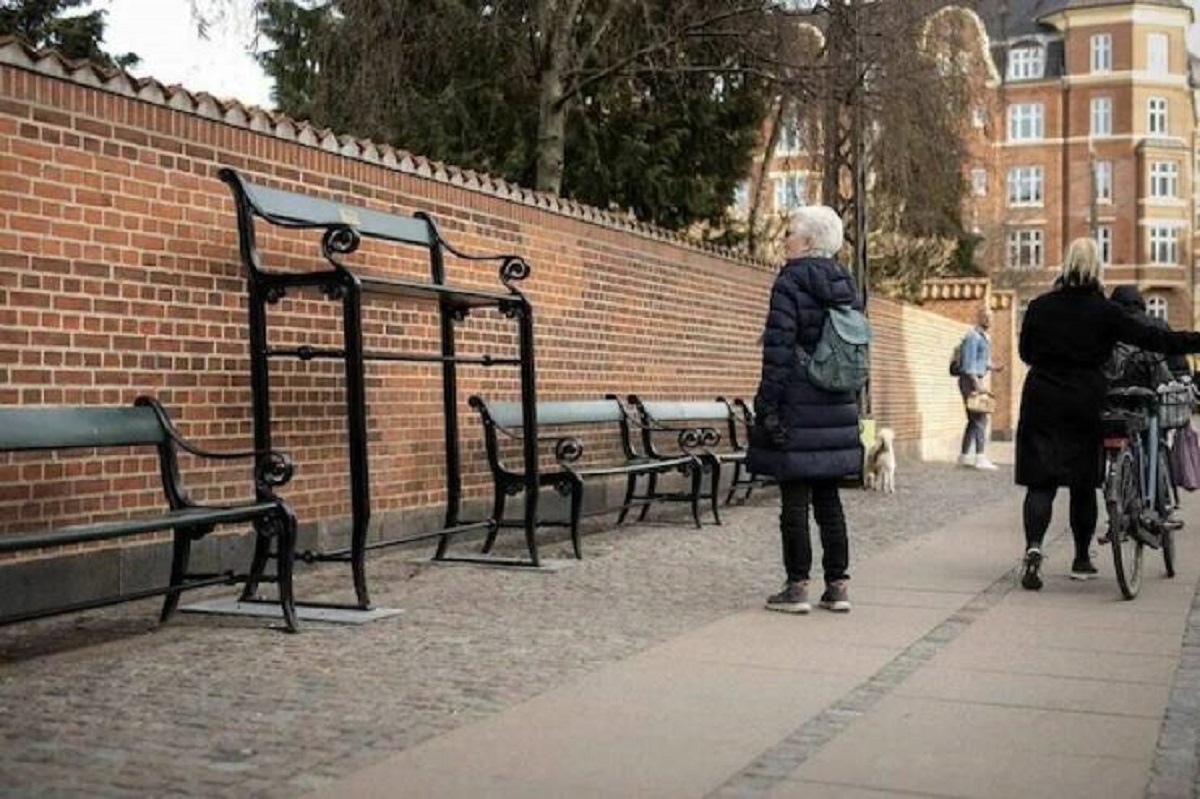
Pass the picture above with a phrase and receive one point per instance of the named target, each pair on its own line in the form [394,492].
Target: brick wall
[119,276]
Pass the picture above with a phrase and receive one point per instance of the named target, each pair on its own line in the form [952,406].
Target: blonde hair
[1081,266]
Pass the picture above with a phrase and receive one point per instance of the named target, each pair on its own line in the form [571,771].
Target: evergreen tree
[659,112]
[50,23]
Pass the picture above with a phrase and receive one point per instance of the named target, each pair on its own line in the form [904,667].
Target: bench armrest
[272,468]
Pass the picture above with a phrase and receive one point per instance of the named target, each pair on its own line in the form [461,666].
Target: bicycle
[1135,425]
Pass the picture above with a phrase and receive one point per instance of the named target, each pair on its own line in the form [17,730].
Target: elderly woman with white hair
[807,438]
[1066,338]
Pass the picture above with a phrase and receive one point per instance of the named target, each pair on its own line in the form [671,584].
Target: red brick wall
[119,276]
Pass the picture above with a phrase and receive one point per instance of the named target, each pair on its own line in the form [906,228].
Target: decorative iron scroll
[514,269]
[568,450]
[274,469]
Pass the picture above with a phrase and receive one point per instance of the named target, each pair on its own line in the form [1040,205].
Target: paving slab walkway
[946,680]
[647,669]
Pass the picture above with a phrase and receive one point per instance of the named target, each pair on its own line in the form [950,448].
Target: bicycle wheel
[1168,501]
[1123,496]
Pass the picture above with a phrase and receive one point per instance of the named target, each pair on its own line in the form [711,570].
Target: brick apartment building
[1086,122]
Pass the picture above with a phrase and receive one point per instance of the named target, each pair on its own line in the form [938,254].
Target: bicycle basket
[1174,405]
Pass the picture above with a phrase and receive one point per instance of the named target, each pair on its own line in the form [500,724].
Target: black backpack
[956,360]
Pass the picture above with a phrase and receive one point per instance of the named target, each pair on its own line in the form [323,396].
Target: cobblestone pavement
[106,704]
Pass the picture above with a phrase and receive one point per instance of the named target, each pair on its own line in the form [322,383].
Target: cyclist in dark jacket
[807,438]
[1133,366]
[1067,337]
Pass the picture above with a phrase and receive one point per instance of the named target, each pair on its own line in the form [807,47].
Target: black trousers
[831,522]
[1039,503]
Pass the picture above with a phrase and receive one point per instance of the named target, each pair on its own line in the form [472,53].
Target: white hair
[821,226]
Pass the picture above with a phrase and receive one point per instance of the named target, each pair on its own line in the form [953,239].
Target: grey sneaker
[1031,578]
[836,597]
[792,599]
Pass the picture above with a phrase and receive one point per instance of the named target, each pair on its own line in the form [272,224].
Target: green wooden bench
[695,428]
[146,424]
[505,420]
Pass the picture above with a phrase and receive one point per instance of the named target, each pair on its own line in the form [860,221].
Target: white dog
[881,462]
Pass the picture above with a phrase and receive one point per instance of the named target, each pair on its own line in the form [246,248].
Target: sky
[166,37]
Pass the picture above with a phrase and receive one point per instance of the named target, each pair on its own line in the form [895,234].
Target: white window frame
[1101,52]
[979,182]
[1157,307]
[1158,54]
[1156,116]
[1026,62]
[1104,241]
[1164,180]
[791,137]
[790,183]
[1104,181]
[741,197]
[978,116]
[1026,122]
[1163,244]
[1101,116]
[1022,243]
[1026,186]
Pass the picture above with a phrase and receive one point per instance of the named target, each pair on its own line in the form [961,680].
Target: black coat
[819,437]
[1066,338]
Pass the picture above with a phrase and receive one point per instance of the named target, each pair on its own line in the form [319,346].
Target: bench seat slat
[508,414]
[632,466]
[36,428]
[668,411]
[101,531]
[289,207]
[458,296]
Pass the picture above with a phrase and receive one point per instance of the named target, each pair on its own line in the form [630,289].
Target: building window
[1163,247]
[1157,115]
[741,197]
[1104,242]
[1026,122]
[1025,248]
[1102,116]
[1025,185]
[1156,306]
[979,181]
[978,116]
[790,191]
[791,137]
[1102,52]
[1158,54]
[1026,63]
[1104,185]
[1164,179]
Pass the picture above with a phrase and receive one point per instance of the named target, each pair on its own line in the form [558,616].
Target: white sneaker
[966,461]
[984,464]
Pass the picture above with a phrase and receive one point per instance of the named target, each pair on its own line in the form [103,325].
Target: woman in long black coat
[807,438]
[1066,338]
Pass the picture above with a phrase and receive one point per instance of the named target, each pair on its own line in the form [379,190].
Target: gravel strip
[105,704]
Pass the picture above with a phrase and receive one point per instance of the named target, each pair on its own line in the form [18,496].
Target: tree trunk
[759,184]
[552,131]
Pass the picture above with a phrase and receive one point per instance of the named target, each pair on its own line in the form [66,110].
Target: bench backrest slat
[682,411]
[508,414]
[73,428]
[292,208]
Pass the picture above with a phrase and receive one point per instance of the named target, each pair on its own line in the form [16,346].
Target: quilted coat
[817,436]
[1067,337]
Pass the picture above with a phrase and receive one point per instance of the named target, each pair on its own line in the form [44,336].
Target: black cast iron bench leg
[181,551]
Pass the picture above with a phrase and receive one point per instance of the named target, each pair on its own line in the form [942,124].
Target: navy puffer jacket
[819,437]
